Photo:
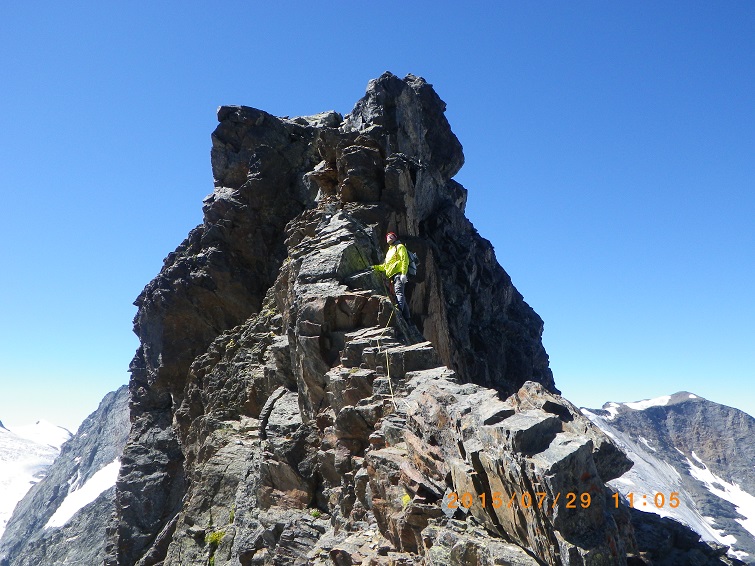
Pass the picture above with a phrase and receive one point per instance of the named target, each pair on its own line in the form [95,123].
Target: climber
[395,267]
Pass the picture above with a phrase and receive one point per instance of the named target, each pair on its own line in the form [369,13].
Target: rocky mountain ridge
[283,412]
[699,450]
[306,198]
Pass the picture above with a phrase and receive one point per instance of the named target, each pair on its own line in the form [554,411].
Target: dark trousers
[399,287]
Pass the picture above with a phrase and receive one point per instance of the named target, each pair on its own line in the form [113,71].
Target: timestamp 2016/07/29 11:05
[571,500]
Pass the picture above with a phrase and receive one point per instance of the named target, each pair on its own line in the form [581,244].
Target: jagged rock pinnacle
[284,413]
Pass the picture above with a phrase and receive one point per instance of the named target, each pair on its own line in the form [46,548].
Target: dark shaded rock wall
[215,280]
[468,305]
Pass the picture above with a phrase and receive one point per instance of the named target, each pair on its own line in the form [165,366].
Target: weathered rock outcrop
[284,413]
[78,537]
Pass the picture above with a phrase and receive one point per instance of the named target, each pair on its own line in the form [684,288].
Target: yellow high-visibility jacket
[396,261]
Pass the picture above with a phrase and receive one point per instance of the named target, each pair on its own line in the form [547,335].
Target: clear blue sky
[610,159]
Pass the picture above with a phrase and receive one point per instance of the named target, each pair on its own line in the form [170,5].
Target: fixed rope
[394,308]
[387,361]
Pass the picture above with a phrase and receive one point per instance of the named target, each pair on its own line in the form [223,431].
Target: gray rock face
[28,540]
[283,411]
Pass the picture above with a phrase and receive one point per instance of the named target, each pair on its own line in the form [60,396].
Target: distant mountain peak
[696,449]
[62,520]
[612,409]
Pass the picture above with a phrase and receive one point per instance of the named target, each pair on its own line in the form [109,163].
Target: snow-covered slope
[25,455]
[694,460]
[63,519]
[43,432]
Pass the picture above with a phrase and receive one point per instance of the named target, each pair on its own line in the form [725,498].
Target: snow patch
[74,483]
[739,555]
[743,501]
[646,442]
[719,535]
[43,432]
[79,497]
[23,463]
[647,403]
[613,410]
